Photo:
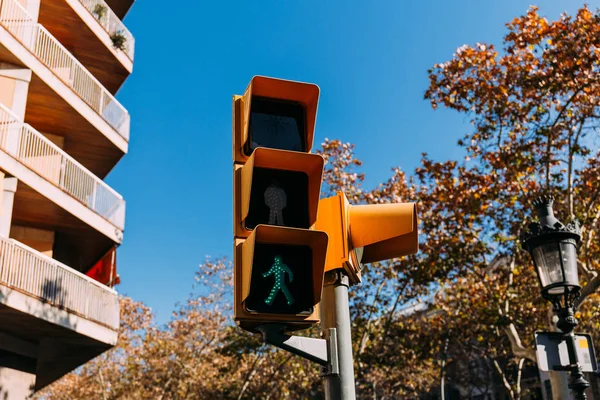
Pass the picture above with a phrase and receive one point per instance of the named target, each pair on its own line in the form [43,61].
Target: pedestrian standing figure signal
[279,269]
[276,200]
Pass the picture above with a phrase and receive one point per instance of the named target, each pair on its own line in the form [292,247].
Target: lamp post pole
[566,323]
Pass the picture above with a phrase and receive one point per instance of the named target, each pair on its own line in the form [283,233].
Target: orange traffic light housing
[366,233]
[279,259]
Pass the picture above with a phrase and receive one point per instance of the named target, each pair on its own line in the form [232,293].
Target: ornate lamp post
[553,247]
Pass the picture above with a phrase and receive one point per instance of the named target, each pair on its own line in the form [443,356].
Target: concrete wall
[15,384]
[9,187]
[7,91]
[14,86]
[39,239]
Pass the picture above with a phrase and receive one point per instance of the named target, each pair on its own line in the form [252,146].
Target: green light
[278,270]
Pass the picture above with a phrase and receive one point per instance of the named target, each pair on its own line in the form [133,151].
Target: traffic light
[279,259]
[366,233]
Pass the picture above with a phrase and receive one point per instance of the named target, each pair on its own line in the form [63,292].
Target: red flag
[105,270]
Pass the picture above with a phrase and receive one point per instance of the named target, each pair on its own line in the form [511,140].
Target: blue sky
[370,59]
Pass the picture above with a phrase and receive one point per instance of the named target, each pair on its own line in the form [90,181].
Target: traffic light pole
[335,313]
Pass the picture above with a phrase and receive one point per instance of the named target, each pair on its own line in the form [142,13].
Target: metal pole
[566,323]
[578,384]
[335,313]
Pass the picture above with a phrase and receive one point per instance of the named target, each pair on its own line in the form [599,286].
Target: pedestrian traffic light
[279,259]
[366,233]
[280,278]
[277,187]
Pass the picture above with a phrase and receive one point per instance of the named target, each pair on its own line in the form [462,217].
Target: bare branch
[588,272]
[588,289]
[257,362]
[521,362]
[516,345]
[103,383]
[392,311]
[273,375]
[504,380]
[365,336]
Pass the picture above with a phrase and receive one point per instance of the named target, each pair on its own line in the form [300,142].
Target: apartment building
[61,132]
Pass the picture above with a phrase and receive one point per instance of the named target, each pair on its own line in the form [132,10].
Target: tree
[199,354]
[535,112]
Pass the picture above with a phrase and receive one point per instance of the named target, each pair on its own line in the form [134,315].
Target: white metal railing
[62,63]
[38,153]
[111,23]
[26,270]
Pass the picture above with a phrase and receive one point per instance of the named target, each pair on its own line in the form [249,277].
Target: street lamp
[553,247]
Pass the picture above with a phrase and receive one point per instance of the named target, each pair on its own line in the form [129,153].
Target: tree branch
[392,311]
[272,376]
[588,289]
[504,380]
[103,384]
[588,272]
[365,336]
[257,362]
[561,112]
[516,345]
[519,374]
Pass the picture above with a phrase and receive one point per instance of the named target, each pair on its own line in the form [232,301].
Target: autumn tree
[199,354]
[534,109]
[535,112]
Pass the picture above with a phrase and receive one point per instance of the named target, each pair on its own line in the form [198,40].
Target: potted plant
[119,40]
[99,10]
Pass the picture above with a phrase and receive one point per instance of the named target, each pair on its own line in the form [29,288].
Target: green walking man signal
[279,269]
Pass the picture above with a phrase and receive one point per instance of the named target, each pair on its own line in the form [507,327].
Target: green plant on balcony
[99,11]
[119,40]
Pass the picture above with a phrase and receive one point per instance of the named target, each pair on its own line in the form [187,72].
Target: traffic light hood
[304,94]
[384,230]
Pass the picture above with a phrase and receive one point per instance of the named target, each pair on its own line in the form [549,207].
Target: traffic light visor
[278,114]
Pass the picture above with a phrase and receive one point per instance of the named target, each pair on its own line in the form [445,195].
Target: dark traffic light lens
[275,124]
[278,198]
[281,281]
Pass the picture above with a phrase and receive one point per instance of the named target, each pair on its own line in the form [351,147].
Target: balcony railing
[57,58]
[111,23]
[28,271]
[38,153]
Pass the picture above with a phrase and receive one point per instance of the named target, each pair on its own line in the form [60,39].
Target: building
[61,132]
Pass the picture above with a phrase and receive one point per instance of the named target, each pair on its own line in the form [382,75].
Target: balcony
[53,317]
[57,58]
[64,98]
[111,23]
[34,151]
[95,36]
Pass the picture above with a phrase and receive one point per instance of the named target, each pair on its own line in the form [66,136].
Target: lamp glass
[547,262]
[569,258]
